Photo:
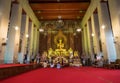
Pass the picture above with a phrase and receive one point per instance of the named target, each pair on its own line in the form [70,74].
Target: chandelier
[59,23]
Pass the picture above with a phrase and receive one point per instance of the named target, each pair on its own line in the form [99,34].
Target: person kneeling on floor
[58,65]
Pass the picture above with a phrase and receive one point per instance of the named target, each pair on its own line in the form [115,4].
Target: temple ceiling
[59,9]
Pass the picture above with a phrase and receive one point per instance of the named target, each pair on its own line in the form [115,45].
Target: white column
[87,46]
[106,34]
[30,46]
[34,42]
[38,40]
[95,31]
[24,32]
[4,22]
[83,44]
[85,40]
[114,6]
[90,43]
[11,53]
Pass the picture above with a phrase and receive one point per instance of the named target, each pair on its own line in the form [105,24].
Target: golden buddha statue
[60,45]
[60,48]
[75,53]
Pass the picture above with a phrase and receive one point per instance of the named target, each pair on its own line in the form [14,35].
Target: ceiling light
[59,17]
[81,11]
[41,30]
[27,35]
[60,21]
[103,26]
[78,30]
[39,12]
[16,28]
[58,0]
[93,34]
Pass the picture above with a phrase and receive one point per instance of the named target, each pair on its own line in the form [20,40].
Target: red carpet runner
[67,75]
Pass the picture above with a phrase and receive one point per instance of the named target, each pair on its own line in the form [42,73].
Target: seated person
[52,64]
[45,64]
[58,65]
[100,62]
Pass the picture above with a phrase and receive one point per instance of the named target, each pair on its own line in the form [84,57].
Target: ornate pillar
[106,32]
[4,22]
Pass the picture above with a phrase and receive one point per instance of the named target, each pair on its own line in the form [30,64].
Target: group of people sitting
[57,62]
[52,65]
[76,62]
[60,62]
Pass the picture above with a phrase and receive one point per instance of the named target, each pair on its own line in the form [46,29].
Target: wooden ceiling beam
[57,14]
[60,6]
[54,1]
[62,19]
[68,10]
[56,17]
[60,11]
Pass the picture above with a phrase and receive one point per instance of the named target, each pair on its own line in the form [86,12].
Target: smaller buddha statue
[75,53]
[70,52]
[50,52]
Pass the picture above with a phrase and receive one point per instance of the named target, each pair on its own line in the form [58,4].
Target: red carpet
[67,75]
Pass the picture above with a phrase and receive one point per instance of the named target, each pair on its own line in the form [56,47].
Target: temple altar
[61,54]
